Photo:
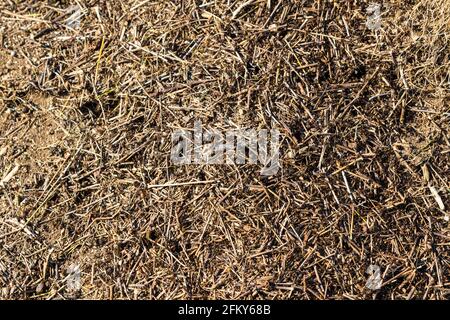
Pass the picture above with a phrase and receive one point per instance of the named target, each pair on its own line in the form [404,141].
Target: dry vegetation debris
[90,92]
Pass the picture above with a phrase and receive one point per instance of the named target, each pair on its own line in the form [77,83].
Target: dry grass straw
[86,116]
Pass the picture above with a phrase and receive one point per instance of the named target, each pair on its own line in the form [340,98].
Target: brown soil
[86,117]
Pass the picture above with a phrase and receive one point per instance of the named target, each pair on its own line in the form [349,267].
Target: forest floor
[91,205]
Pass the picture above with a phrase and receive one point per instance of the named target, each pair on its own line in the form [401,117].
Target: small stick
[9,176]
[437,197]
[241,7]
[180,184]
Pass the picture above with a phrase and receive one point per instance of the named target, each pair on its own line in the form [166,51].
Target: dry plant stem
[91,93]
